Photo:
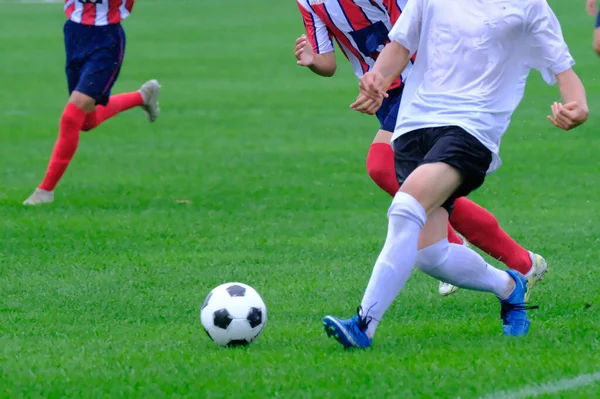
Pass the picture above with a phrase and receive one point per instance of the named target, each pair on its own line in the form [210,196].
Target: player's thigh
[429,181]
[102,67]
[435,230]
[383,136]
[75,54]
[455,164]
[432,184]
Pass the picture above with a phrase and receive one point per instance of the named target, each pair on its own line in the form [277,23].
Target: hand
[568,116]
[304,52]
[366,105]
[590,6]
[372,86]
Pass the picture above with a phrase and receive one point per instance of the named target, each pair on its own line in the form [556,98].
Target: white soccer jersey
[471,71]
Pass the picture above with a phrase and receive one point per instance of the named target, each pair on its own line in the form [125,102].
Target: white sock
[397,258]
[465,268]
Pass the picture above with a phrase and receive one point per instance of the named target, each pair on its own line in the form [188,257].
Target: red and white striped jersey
[98,12]
[360,28]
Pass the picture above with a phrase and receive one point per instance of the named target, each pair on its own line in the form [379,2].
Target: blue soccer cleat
[513,311]
[351,333]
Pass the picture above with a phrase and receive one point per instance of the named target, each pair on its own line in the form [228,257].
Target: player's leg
[465,268]
[380,159]
[66,144]
[94,57]
[73,116]
[457,264]
[425,190]
[109,106]
[478,225]
[380,163]
[146,97]
[482,229]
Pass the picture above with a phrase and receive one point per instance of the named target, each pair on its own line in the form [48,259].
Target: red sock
[68,138]
[116,105]
[380,165]
[481,228]
[452,236]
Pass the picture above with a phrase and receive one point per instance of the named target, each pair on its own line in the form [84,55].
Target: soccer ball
[233,314]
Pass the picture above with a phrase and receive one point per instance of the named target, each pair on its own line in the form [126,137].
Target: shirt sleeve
[393,9]
[548,52]
[316,30]
[407,30]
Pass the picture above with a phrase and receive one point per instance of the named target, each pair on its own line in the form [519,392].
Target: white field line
[532,391]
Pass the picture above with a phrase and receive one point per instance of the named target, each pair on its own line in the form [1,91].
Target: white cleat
[539,267]
[150,91]
[40,196]
[446,289]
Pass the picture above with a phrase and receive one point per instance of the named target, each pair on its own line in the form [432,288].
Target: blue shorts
[598,21]
[388,113]
[94,58]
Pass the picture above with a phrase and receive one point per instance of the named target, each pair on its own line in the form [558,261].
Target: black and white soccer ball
[233,314]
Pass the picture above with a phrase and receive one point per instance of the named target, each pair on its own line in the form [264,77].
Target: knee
[83,102]
[433,256]
[406,207]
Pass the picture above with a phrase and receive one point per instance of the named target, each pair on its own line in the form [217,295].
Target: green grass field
[100,292]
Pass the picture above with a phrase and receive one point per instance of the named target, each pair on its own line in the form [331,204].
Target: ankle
[144,96]
[510,287]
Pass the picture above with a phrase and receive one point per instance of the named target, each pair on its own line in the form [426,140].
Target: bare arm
[392,61]
[590,6]
[571,88]
[575,110]
[314,50]
[324,64]
[392,78]
[321,64]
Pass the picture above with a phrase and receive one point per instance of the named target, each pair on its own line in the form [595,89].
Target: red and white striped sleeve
[318,34]
[394,9]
